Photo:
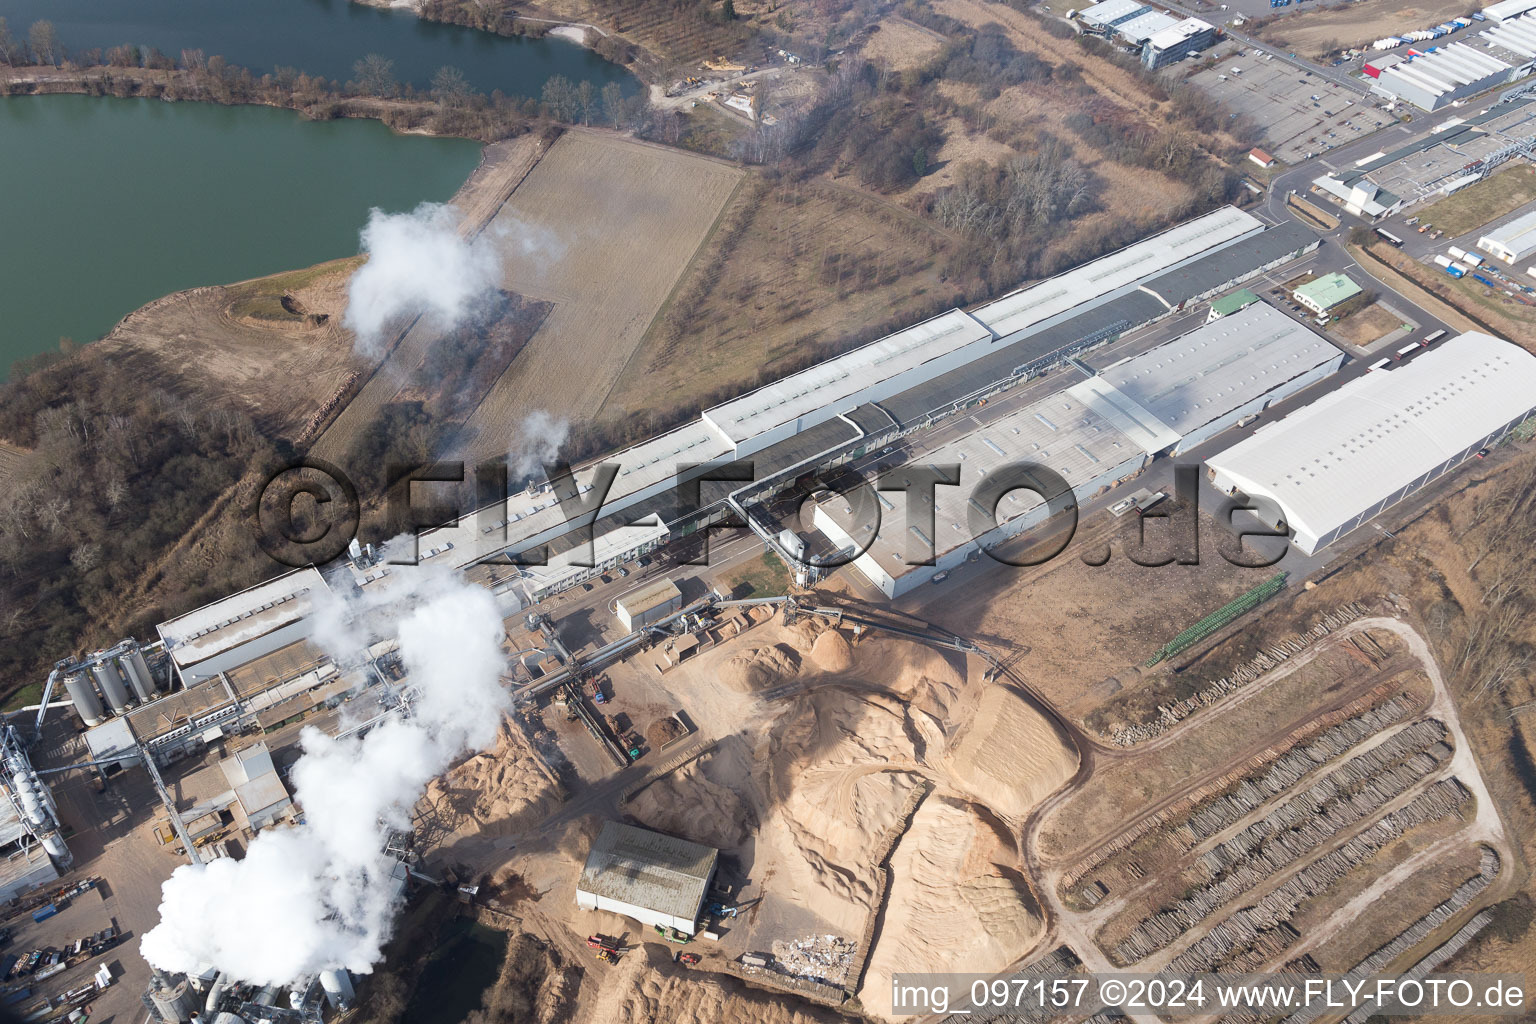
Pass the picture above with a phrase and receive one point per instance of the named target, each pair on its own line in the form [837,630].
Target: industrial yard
[1129,583]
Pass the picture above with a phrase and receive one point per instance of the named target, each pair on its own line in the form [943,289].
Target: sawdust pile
[759,668]
[956,902]
[1011,756]
[689,803]
[701,998]
[495,792]
[830,652]
[663,731]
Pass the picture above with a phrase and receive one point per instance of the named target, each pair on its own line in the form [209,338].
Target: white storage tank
[137,671]
[338,988]
[111,683]
[83,693]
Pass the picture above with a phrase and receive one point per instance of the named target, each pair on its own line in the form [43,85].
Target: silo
[172,1002]
[338,988]
[83,693]
[111,684]
[134,667]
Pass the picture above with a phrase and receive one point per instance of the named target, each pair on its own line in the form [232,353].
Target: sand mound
[494,792]
[1011,756]
[759,668]
[955,903]
[831,652]
[689,803]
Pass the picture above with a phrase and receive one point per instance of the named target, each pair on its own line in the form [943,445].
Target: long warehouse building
[1016,335]
[1186,391]
[1357,451]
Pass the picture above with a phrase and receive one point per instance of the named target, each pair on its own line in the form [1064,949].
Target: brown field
[222,346]
[900,44]
[1366,326]
[502,168]
[602,227]
[792,268]
[1487,201]
[1326,29]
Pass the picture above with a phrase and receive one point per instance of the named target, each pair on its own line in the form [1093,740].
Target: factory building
[655,879]
[1357,451]
[848,398]
[242,627]
[650,603]
[1512,242]
[1136,31]
[1173,44]
[1059,433]
[1326,292]
[1186,391]
[1431,80]
[32,848]
[256,786]
[1101,17]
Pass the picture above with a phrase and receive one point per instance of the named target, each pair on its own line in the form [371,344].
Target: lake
[321,37]
[109,204]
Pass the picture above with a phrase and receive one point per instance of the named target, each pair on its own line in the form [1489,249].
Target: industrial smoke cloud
[317,896]
[418,263]
[538,443]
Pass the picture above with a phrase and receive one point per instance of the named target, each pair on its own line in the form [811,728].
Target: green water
[107,204]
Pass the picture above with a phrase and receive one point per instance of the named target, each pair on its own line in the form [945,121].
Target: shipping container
[1457,254]
[44,913]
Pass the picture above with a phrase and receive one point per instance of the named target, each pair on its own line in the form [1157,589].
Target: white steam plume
[316,896]
[418,263]
[538,442]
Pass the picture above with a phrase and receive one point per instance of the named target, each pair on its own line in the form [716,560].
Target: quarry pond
[122,201]
[319,37]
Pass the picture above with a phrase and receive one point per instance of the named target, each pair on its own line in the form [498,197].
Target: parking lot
[1304,114]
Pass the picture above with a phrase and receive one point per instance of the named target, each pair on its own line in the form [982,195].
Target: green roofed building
[1229,304]
[1326,292]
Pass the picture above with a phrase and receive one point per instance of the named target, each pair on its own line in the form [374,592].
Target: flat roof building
[1205,381]
[1062,434]
[655,879]
[1139,29]
[1512,242]
[651,602]
[258,789]
[1357,451]
[1177,41]
[242,627]
[1111,12]
[1326,292]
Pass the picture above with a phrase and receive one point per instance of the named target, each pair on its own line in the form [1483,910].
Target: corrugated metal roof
[1203,375]
[240,618]
[648,869]
[1517,235]
[652,596]
[1030,306]
[1356,446]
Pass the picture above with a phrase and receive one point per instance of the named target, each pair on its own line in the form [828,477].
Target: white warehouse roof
[1517,236]
[842,378]
[1221,366]
[1144,26]
[1507,9]
[238,618]
[1517,35]
[1030,306]
[1111,11]
[1357,446]
[1176,34]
